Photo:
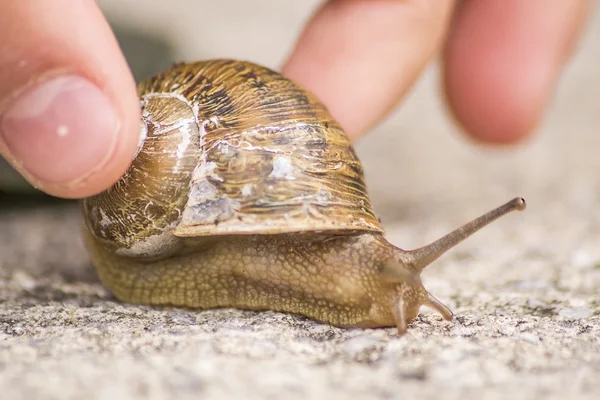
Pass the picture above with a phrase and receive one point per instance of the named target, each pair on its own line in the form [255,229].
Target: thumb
[69,113]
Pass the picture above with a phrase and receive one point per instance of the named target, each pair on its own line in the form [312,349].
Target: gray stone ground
[525,290]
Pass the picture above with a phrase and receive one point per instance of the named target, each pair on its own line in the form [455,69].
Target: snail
[246,193]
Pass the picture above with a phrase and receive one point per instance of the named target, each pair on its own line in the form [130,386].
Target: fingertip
[361,57]
[490,109]
[64,133]
[69,117]
[502,62]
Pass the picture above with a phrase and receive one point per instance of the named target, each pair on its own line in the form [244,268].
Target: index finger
[69,112]
[361,56]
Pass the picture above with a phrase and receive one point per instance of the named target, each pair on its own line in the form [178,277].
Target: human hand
[501,58]
[69,111]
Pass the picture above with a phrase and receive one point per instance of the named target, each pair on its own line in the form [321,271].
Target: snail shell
[231,148]
[246,193]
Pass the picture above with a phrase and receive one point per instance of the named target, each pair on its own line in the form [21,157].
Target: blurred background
[424,176]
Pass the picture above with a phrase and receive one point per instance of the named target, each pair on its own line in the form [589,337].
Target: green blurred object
[11,181]
[146,56]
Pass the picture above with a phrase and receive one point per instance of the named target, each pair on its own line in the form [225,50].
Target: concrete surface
[525,290]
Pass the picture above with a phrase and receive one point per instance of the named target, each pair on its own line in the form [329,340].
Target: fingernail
[60,131]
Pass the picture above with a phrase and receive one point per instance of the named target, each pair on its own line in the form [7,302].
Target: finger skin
[41,41]
[502,61]
[361,56]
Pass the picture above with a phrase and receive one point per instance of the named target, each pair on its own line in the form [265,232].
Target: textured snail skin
[246,193]
[336,280]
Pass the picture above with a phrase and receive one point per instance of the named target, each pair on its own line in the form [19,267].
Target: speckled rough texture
[525,290]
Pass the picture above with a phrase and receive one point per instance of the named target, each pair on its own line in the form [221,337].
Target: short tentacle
[438,306]
[400,316]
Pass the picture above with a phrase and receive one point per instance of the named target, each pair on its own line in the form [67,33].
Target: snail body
[246,193]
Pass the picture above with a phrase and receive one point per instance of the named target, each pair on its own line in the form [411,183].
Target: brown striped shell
[230,147]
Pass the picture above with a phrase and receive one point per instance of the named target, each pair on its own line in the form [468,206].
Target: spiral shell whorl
[135,217]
